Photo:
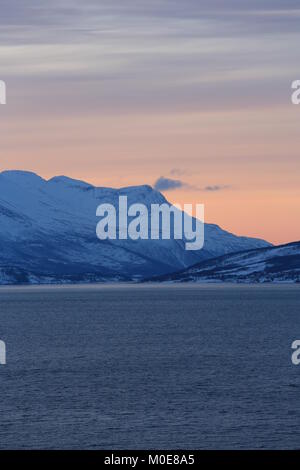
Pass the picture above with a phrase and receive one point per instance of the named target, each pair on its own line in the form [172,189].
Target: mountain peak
[21,174]
[69,182]
[142,187]
[23,178]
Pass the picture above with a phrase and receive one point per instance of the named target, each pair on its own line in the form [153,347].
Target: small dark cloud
[167,184]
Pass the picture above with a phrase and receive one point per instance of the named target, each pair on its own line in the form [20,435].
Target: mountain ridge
[279,263]
[48,234]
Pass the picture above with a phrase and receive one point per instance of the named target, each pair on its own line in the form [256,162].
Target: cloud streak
[169,184]
[216,187]
[138,55]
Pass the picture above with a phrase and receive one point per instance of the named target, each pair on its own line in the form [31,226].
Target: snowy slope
[272,264]
[48,234]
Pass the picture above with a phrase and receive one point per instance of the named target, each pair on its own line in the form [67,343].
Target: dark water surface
[150,367]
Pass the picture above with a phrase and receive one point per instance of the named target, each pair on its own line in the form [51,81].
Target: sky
[192,97]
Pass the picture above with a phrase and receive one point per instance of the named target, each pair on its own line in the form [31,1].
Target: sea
[150,366]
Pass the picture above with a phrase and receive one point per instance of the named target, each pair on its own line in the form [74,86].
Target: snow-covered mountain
[271,264]
[48,234]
